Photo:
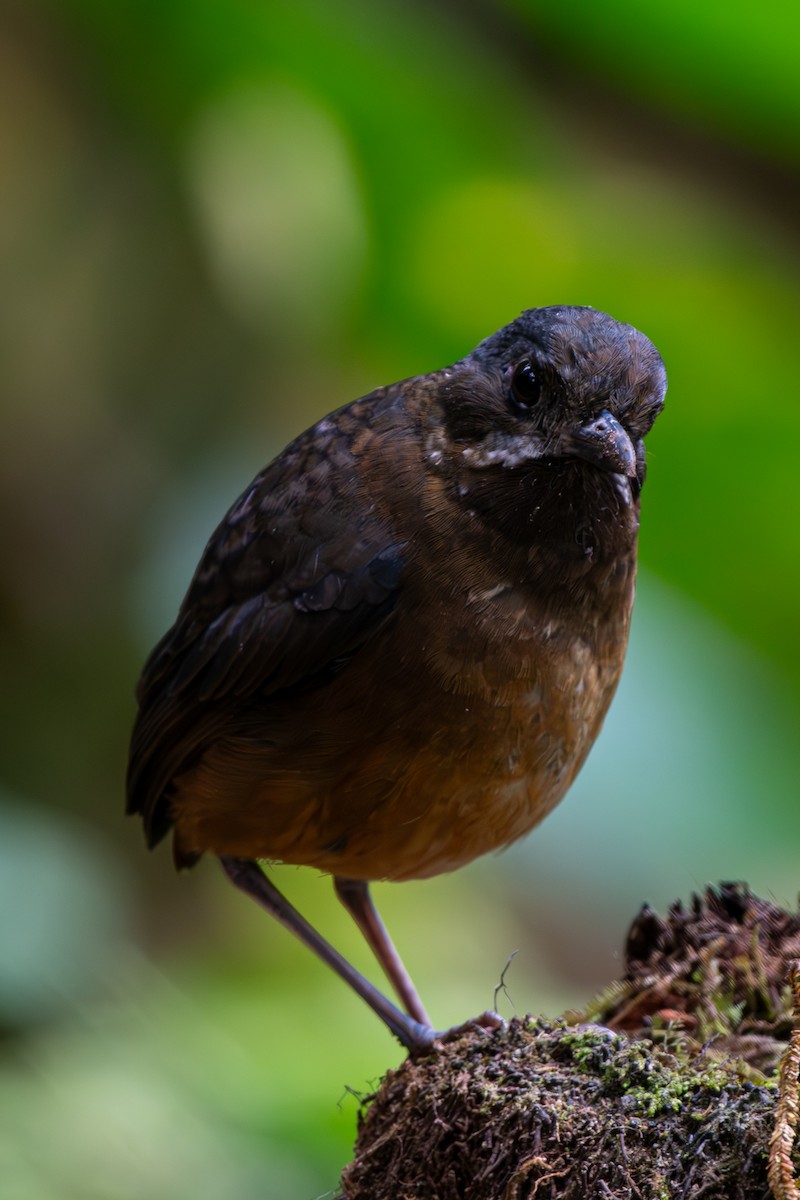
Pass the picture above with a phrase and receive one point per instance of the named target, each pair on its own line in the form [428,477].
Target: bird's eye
[525,387]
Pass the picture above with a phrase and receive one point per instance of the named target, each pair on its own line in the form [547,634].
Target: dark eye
[525,387]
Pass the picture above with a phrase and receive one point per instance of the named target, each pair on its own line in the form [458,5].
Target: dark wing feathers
[372,583]
[259,647]
[281,597]
[265,643]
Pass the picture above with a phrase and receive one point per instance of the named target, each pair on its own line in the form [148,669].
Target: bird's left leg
[416,1036]
[355,896]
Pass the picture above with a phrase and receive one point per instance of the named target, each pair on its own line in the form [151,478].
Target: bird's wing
[297,576]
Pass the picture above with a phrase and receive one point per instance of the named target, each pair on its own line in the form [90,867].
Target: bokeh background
[217,222]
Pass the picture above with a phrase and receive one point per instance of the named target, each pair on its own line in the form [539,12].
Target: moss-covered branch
[665,1087]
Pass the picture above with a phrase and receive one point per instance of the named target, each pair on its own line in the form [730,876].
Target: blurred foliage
[218,222]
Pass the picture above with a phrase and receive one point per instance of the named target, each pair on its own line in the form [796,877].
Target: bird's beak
[604,443]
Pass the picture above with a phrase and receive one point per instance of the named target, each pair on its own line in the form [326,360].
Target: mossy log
[666,1086]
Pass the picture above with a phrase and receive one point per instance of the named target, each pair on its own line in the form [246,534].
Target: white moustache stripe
[504,449]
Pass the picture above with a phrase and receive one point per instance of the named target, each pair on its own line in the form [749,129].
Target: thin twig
[501,987]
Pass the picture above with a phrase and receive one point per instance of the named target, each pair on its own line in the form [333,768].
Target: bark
[666,1086]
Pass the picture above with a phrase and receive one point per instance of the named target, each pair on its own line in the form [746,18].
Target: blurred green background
[218,221]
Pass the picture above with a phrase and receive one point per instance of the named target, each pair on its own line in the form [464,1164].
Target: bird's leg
[246,874]
[355,896]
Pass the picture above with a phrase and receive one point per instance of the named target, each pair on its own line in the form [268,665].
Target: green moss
[549,1109]
[649,1078]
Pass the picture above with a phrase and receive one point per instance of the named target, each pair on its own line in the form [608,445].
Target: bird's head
[558,384]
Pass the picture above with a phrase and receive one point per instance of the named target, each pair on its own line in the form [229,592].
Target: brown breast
[453,733]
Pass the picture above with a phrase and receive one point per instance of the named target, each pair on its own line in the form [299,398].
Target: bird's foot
[424,1040]
[487,1022]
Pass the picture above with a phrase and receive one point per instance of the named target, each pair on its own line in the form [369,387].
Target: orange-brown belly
[391,785]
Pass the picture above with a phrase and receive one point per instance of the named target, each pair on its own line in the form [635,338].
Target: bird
[402,639]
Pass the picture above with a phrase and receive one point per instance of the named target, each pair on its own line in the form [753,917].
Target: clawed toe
[425,1039]
[486,1021]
